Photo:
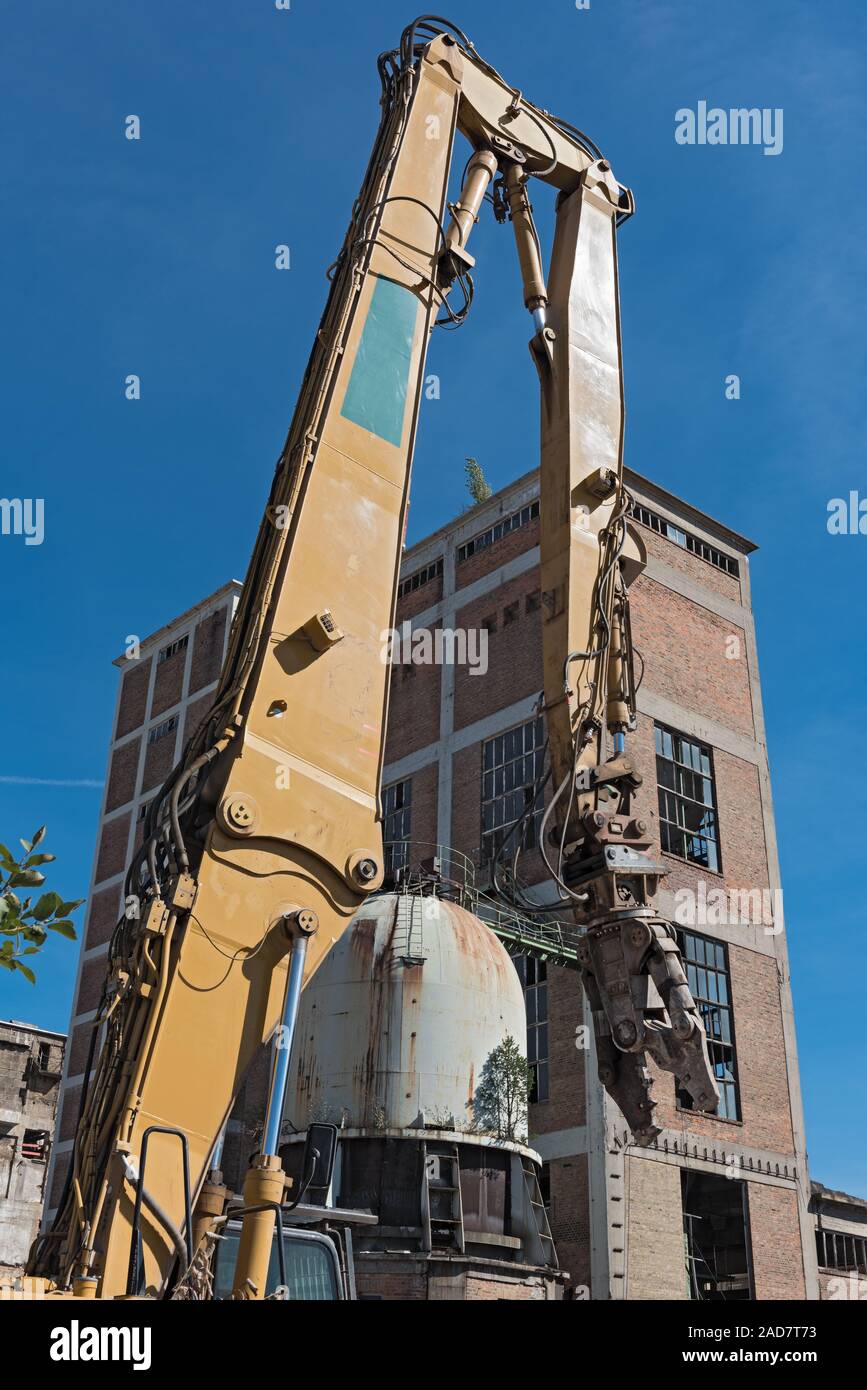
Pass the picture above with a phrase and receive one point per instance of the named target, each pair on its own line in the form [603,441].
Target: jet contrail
[51,781]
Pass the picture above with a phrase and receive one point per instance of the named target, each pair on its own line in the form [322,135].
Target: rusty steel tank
[401,1016]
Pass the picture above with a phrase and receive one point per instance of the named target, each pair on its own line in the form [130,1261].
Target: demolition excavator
[266,838]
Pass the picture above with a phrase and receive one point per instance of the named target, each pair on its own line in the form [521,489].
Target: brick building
[841,1243]
[731,1191]
[167,683]
[31,1061]
[720,1206]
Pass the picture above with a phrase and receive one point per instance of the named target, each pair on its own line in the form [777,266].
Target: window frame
[180,644]
[705,1002]
[391,843]
[489,844]
[512,522]
[157,732]
[660,732]
[533,974]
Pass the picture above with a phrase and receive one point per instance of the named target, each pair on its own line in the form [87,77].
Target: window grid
[836,1250]
[422,576]
[686,540]
[512,765]
[179,646]
[396,820]
[687,799]
[159,731]
[496,533]
[533,975]
[707,972]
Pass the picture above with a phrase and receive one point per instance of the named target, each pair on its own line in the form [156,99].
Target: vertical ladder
[441,1198]
[537,1207]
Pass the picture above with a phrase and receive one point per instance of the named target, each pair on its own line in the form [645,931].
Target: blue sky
[156,257]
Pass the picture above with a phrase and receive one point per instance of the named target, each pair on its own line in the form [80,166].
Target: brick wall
[466,800]
[168,683]
[761,1057]
[133,697]
[569,1217]
[493,557]
[103,916]
[113,841]
[208,650]
[79,1045]
[159,761]
[778,1269]
[566,1105]
[656,1267]
[514,651]
[122,774]
[414,709]
[684,648]
[425,596]
[196,711]
[691,566]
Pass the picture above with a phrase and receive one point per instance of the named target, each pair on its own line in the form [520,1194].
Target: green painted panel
[376,395]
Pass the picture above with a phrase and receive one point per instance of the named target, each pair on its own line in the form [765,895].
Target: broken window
[545,1185]
[716,1238]
[533,975]
[180,645]
[685,539]
[512,787]
[396,818]
[422,576]
[49,1057]
[496,533]
[707,971]
[687,799]
[34,1145]
[836,1250]
[162,730]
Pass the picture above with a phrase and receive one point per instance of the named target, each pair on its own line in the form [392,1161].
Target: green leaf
[40,859]
[65,908]
[5,855]
[47,905]
[26,972]
[39,836]
[63,928]
[4,907]
[14,900]
[27,878]
[7,948]
[6,964]
[35,934]
[27,845]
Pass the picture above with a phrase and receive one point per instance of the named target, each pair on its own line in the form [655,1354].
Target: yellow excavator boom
[266,838]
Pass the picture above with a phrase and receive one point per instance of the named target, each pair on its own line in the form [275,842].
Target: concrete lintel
[679,583]
[698,726]
[749,936]
[561,1143]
